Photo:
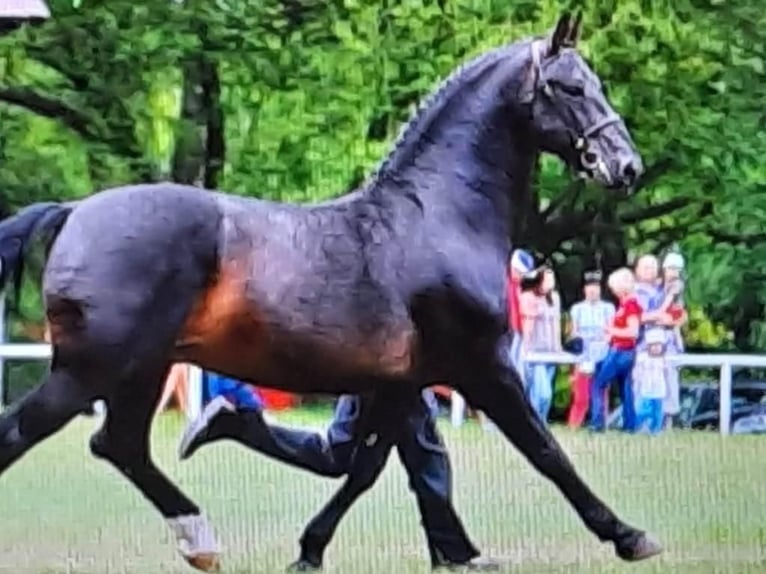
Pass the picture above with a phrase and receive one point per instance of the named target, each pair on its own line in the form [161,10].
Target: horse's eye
[572,90]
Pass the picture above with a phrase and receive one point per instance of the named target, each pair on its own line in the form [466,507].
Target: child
[673,287]
[649,377]
[619,361]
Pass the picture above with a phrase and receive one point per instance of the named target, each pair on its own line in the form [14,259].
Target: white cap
[654,337]
[522,261]
[673,260]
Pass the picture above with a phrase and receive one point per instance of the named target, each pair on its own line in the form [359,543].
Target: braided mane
[428,109]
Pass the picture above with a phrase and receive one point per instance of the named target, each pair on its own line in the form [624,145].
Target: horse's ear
[560,35]
[576,30]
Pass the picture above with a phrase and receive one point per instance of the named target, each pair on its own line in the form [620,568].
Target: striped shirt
[589,319]
[649,376]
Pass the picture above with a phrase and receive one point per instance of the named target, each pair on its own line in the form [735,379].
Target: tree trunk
[200,142]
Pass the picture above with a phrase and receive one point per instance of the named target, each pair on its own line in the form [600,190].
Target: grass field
[704,496]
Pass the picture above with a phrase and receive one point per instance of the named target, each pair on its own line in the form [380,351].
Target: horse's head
[570,113]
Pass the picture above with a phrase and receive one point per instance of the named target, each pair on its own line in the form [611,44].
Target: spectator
[541,333]
[618,364]
[674,316]
[176,385]
[649,376]
[519,264]
[648,291]
[588,321]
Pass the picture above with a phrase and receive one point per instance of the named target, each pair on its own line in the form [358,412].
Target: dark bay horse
[398,284]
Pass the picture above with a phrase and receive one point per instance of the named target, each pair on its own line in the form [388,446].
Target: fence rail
[724,362]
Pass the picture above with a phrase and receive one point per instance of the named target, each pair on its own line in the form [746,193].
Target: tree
[297,100]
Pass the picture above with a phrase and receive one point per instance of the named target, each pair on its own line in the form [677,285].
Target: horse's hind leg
[495,387]
[41,413]
[123,440]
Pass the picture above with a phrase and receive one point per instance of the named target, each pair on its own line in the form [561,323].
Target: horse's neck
[475,157]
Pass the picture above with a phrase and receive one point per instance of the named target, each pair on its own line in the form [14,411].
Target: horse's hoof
[638,547]
[206,562]
[477,564]
[304,566]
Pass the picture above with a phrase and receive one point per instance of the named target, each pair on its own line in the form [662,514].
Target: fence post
[194,392]
[724,401]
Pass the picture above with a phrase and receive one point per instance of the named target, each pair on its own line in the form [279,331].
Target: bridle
[533,86]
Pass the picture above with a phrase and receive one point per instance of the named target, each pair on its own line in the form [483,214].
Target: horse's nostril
[629,173]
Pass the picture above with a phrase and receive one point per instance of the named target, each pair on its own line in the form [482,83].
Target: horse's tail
[19,231]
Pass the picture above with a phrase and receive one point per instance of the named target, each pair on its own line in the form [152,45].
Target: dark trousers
[357,444]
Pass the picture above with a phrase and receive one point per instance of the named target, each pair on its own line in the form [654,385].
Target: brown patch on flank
[223,326]
[226,331]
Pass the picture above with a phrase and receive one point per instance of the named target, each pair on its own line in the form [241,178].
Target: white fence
[725,364]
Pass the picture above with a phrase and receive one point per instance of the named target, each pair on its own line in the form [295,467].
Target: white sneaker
[190,440]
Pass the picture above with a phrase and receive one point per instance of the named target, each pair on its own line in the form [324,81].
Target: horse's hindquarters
[123,274]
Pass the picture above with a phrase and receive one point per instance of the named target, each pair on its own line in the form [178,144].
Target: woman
[618,364]
[540,333]
[588,321]
[673,319]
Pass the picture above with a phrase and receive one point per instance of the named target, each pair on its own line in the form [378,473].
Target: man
[357,444]
[588,322]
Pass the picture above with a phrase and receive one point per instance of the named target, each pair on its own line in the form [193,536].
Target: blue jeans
[650,411]
[539,383]
[617,365]
[242,395]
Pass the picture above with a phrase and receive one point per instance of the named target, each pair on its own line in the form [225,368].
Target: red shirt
[514,304]
[627,308]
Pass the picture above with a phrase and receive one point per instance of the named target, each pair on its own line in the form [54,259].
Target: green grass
[704,496]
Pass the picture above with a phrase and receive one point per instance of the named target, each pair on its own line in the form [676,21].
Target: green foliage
[313,92]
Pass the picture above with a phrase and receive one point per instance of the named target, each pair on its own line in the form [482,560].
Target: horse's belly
[228,333]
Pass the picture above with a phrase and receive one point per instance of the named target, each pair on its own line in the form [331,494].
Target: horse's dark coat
[400,283]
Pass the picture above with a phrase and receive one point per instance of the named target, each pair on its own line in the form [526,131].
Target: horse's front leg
[496,388]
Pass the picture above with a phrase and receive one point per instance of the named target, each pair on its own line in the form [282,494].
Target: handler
[357,444]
